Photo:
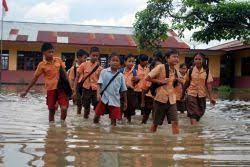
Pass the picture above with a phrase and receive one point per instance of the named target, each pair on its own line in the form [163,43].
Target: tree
[210,19]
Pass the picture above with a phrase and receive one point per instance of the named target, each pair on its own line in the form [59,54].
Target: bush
[225,91]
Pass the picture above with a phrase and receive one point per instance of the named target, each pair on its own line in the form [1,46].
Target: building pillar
[12,60]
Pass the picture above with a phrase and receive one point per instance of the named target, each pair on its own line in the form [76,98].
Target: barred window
[28,60]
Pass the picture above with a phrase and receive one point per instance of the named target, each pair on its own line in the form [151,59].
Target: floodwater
[222,138]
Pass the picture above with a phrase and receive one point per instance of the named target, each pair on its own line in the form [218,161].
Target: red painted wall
[18,77]
[242,82]
[216,82]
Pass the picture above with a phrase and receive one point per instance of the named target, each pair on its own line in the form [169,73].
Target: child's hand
[163,82]
[99,97]
[212,101]
[23,94]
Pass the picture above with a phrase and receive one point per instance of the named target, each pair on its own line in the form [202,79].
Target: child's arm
[76,81]
[186,85]
[99,92]
[100,84]
[79,71]
[184,88]
[209,88]
[153,75]
[209,91]
[124,94]
[143,98]
[33,81]
[38,72]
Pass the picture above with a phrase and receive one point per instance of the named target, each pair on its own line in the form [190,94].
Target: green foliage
[211,20]
[225,89]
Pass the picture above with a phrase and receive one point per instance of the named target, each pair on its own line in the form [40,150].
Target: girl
[128,74]
[198,85]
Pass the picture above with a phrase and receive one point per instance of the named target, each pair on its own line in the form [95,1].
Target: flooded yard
[222,138]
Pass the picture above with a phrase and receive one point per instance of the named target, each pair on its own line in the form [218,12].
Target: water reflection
[26,139]
[55,146]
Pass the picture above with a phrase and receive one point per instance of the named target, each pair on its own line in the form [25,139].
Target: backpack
[155,86]
[63,82]
[135,69]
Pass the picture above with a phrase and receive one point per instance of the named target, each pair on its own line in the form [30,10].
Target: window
[189,61]
[28,60]
[104,60]
[68,59]
[245,66]
[5,60]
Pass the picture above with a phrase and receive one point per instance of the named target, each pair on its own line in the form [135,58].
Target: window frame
[33,57]
[5,54]
[245,66]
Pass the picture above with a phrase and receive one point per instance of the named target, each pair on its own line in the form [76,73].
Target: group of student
[152,85]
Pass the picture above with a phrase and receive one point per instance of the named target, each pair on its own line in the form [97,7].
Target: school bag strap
[134,71]
[207,72]
[110,81]
[175,83]
[94,70]
[75,68]
[63,82]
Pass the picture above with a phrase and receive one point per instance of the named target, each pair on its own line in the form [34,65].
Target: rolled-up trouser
[89,97]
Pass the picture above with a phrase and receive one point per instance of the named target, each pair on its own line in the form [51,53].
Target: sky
[86,12]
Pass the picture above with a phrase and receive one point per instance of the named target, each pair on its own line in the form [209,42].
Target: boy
[49,67]
[81,57]
[165,98]
[89,72]
[111,84]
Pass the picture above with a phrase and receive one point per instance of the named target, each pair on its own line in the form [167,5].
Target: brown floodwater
[222,137]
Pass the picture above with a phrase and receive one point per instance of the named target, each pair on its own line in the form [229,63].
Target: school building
[229,64]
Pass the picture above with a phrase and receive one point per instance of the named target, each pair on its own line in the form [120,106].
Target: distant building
[22,42]
[235,64]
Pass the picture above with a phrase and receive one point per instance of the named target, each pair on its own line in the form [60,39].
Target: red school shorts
[54,96]
[114,112]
